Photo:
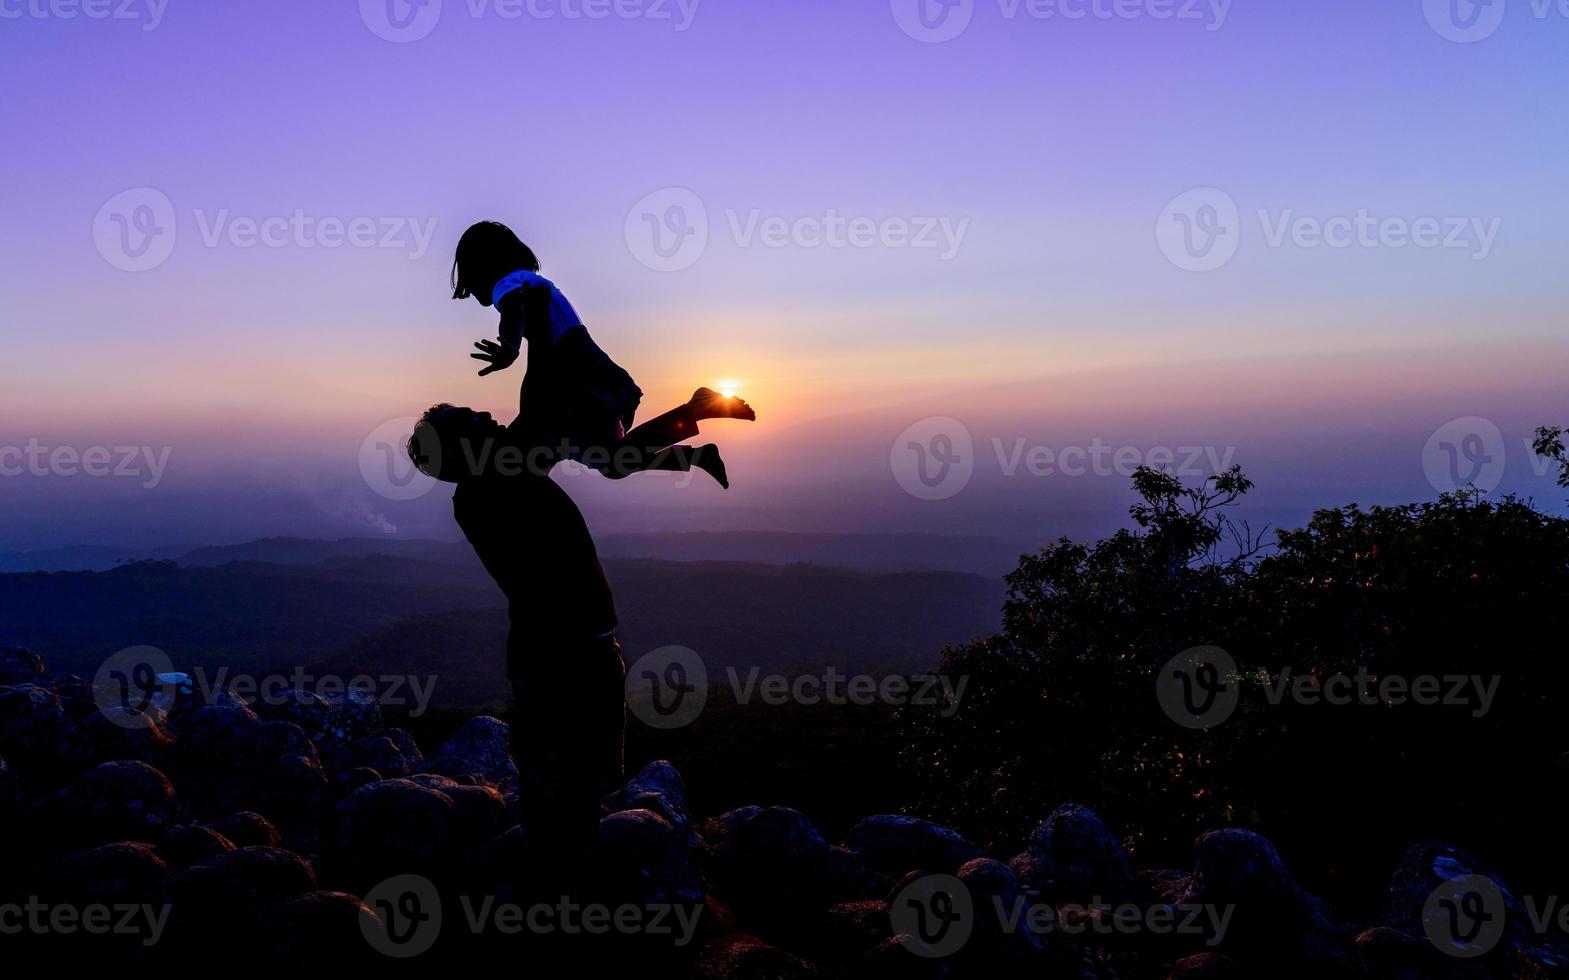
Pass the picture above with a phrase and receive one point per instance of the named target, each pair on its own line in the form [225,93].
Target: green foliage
[1061,705]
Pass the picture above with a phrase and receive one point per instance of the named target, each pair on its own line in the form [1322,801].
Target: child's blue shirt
[562,316]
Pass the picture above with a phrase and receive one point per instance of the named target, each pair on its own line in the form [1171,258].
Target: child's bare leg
[676,459]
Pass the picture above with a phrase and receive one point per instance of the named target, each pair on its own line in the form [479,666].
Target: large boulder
[481,747]
[1499,940]
[190,844]
[32,720]
[247,829]
[1276,924]
[743,957]
[19,666]
[479,813]
[897,844]
[120,873]
[392,827]
[243,881]
[1074,857]
[116,801]
[773,861]
[659,788]
[391,753]
[645,860]
[324,929]
[111,735]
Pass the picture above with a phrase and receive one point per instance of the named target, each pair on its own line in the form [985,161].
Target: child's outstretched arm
[500,353]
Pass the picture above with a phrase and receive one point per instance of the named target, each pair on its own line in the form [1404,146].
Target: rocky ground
[305,832]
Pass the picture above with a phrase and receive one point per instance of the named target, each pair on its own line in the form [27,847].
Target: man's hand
[498,356]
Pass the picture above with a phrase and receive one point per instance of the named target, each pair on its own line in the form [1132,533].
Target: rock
[379,752]
[295,785]
[119,873]
[353,715]
[243,881]
[851,930]
[743,957]
[1207,966]
[19,666]
[247,829]
[484,745]
[1388,952]
[392,827]
[896,844]
[658,788]
[1426,867]
[32,720]
[1074,857]
[116,801]
[191,844]
[272,739]
[343,783]
[478,812]
[216,737]
[773,861]
[114,735]
[322,928]
[645,860]
[311,712]
[1275,921]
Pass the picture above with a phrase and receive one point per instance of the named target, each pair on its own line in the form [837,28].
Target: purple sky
[988,228]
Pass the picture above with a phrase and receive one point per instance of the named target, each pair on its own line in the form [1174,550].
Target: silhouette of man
[568,716]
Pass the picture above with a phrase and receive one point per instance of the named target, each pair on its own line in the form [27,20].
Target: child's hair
[486,252]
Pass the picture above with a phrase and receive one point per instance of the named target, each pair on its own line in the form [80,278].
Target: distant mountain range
[864,552]
[428,608]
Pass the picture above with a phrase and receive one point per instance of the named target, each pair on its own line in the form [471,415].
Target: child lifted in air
[574,397]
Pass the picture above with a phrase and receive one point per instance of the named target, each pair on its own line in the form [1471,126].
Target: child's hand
[498,356]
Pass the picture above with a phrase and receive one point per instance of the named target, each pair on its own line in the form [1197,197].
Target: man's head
[449,442]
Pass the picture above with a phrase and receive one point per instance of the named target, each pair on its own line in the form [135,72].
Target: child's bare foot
[707,459]
[707,403]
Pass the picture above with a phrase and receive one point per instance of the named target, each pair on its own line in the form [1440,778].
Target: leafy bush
[1061,705]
